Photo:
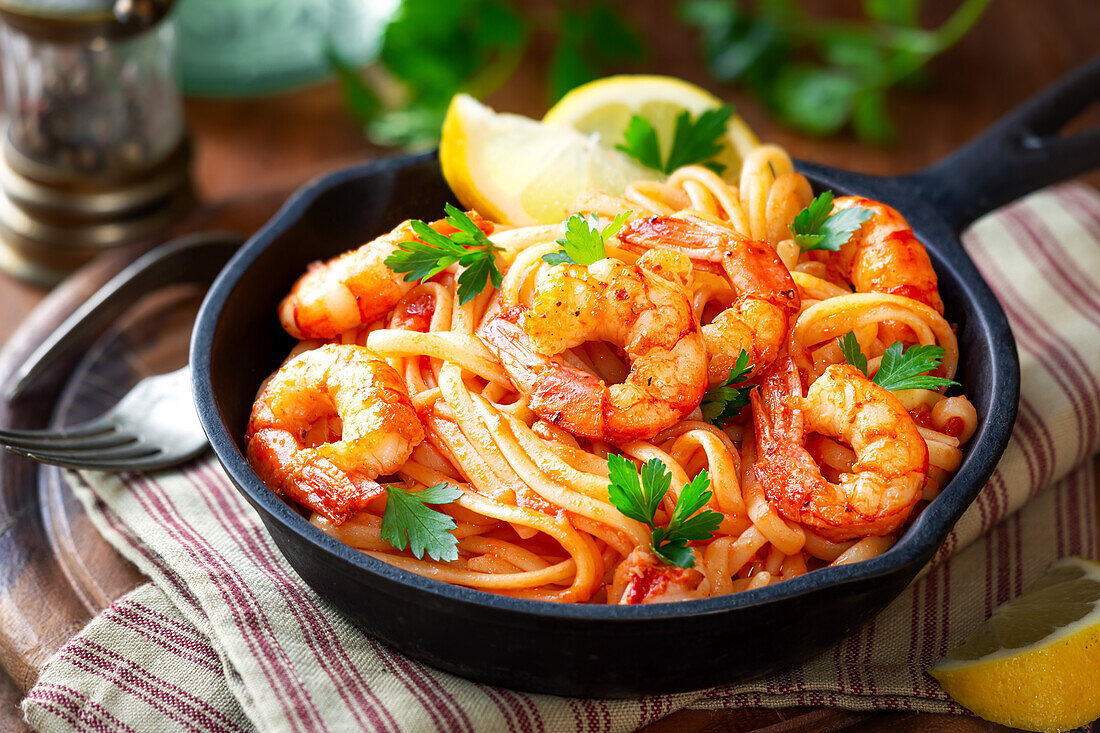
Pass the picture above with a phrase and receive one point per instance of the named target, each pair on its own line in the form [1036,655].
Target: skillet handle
[1021,153]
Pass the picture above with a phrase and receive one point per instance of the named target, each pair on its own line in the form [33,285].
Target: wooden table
[248,153]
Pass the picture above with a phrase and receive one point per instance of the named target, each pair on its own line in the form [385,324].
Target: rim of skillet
[921,539]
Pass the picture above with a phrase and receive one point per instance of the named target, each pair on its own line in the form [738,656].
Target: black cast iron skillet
[610,651]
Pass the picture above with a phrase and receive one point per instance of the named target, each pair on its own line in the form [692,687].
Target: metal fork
[153,426]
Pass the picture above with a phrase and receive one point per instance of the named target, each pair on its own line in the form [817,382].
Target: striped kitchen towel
[226,637]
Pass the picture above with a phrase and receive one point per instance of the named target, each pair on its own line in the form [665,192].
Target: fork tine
[92,427]
[155,460]
[81,459]
[98,441]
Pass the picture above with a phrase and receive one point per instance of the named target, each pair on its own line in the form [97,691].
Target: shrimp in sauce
[884,256]
[891,463]
[355,288]
[765,296]
[644,308]
[327,424]
[642,578]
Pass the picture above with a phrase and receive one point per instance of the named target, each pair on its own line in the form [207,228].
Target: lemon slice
[604,107]
[1035,664]
[516,170]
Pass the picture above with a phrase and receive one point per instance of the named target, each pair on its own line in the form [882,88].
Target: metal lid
[78,20]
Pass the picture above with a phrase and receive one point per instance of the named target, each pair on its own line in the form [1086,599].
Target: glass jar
[95,151]
[96,108]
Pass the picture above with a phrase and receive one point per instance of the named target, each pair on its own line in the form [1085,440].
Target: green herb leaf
[894,12]
[591,37]
[641,143]
[410,522]
[900,370]
[723,401]
[673,552]
[871,120]
[360,99]
[635,498]
[816,227]
[433,49]
[584,241]
[821,74]
[685,525]
[699,140]
[810,220]
[693,140]
[693,498]
[558,258]
[469,247]
[638,495]
[818,101]
[849,346]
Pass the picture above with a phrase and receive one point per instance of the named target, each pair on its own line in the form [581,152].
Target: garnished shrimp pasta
[512,398]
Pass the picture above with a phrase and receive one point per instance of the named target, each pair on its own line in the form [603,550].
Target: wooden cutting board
[56,572]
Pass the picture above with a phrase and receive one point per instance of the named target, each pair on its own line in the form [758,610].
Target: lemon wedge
[1035,664]
[516,170]
[604,107]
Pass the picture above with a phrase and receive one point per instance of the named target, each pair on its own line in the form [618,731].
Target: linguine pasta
[534,519]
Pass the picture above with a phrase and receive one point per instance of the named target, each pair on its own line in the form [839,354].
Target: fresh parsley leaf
[636,499]
[810,220]
[723,401]
[894,12]
[909,369]
[435,252]
[584,241]
[816,227]
[362,101]
[693,498]
[673,552]
[821,74]
[699,140]
[899,369]
[638,495]
[432,49]
[686,525]
[693,141]
[870,118]
[849,346]
[816,100]
[410,522]
[591,38]
[641,143]
[558,258]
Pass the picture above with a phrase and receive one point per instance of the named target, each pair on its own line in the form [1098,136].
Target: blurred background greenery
[821,71]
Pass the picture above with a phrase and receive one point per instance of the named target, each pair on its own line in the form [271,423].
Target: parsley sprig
[435,252]
[434,49]
[900,368]
[821,74]
[639,493]
[724,400]
[816,227]
[693,140]
[849,346]
[410,522]
[584,241]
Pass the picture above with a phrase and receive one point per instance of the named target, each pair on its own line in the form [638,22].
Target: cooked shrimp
[328,423]
[354,288]
[642,578]
[891,456]
[884,256]
[643,308]
[765,295]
